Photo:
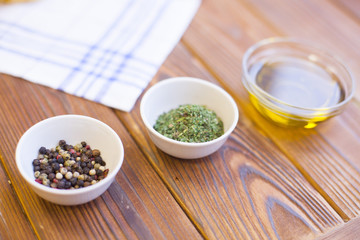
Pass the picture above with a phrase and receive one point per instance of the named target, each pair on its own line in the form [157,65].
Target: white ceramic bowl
[171,93]
[73,129]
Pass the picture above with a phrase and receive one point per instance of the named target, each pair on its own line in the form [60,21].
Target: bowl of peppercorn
[69,159]
[187,117]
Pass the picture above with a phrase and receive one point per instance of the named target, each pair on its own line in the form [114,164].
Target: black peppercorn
[61,185]
[67,184]
[73,181]
[42,150]
[80,183]
[86,170]
[51,176]
[62,143]
[67,166]
[55,166]
[99,172]
[98,159]
[48,169]
[36,162]
[60,160]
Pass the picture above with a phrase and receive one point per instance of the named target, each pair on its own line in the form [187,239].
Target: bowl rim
[196,81]
[66,192]
[259,92]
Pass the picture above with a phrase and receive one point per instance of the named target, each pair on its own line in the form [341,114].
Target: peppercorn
[48,169]
[63,171]
[61,185]
[36,162]
[98,159]
[92,172]
[51,176]
[59,176]
[55,166]
[99,172]
[96,152]
[86,170]
[67,184]
[36,174]
[80,183]
[46,182]
[68,175]
[69,167]
[76,174]
[42,150]
[60,160]
[62,143]
[84,158]
[73,181]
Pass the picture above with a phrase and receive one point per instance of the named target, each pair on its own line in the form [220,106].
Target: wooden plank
[13,222]
[137,205]
[246,190]
[350,230]
[316,156]
[350,8]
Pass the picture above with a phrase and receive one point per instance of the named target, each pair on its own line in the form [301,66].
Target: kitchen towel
[102,50]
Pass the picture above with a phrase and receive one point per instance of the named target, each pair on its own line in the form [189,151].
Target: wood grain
[350,7]
[136,206]
[266,182]
[246,190]
[316,155]
[350,230]
[13,222]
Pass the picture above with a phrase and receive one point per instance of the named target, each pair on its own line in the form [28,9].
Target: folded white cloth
[103,50]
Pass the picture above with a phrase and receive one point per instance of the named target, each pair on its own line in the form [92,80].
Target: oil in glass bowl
[292,86]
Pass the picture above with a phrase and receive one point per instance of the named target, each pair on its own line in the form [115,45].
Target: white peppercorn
[92,172]
[68,175]
[59,176]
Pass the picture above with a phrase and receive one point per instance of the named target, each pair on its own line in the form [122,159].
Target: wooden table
[266,182]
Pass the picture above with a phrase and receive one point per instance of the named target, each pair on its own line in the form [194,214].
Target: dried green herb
[190,123]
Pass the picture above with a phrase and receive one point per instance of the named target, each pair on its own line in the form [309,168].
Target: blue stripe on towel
[109,58]
[95,46]
[39,33]
[63,53]
[113,78]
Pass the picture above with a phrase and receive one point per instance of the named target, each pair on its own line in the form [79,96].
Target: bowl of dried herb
[187,117]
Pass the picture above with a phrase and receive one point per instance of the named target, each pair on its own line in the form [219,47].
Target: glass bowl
[295,84]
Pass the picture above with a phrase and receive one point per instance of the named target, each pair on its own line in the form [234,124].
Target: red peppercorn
[38,180]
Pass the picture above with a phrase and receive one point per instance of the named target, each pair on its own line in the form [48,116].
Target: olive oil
[298,85]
